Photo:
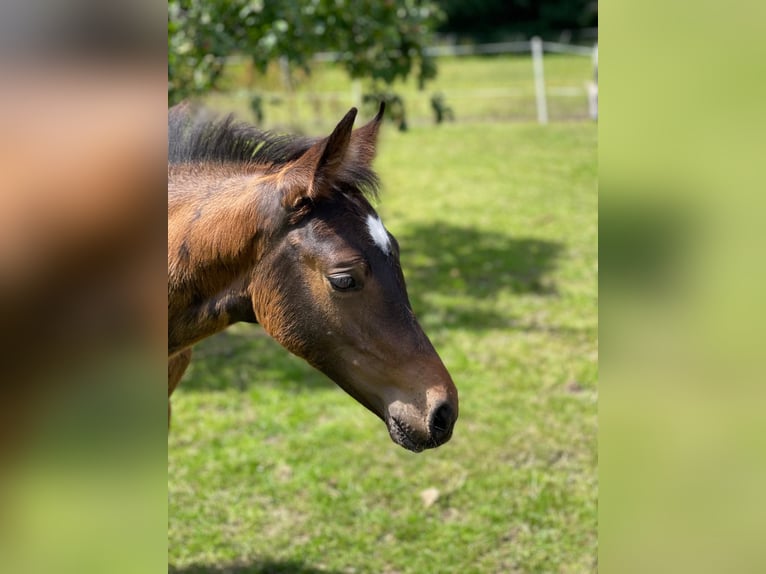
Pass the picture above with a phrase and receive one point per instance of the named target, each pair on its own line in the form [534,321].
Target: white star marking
[378,233]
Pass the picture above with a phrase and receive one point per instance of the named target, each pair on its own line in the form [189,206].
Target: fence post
[537,65]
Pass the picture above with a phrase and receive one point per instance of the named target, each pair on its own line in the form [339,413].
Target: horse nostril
[442,421]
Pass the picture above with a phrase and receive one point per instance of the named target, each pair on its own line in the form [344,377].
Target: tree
[383,40]
[495,20]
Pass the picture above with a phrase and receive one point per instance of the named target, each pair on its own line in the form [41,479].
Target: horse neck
[218,224]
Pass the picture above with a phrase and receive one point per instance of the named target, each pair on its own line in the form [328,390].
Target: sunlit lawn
[274,469]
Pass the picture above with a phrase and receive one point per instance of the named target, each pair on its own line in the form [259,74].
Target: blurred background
[301,64]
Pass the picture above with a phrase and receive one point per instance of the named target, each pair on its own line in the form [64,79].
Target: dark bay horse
[279,230]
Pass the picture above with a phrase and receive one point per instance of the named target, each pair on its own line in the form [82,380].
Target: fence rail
[518,47]
[519,96]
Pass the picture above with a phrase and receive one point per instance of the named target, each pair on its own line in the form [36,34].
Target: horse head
[329,287]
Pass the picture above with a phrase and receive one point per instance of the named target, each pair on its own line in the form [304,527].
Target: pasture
[272,468]
[476,88]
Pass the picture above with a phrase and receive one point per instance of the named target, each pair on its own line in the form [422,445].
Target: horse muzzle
[441,421]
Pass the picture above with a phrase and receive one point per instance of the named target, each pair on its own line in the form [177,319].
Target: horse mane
[195,136]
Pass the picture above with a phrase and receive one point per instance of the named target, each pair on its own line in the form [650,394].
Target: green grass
[478,89]
[271,468]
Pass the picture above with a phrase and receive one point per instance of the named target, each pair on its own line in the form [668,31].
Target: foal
[279,230]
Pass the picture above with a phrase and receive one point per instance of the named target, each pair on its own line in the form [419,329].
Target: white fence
[523,94]
[537,48]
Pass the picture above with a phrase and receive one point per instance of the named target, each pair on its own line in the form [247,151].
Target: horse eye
[343,282]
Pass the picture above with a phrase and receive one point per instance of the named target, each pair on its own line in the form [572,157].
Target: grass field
[477,88]
[271,468]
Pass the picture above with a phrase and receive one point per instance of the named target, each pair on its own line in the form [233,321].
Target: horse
[280,230]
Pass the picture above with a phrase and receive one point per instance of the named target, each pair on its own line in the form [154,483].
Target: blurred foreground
[82,239]
[682,430]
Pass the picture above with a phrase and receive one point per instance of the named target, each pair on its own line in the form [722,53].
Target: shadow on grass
[452,273]
[244,356]
[260,567]
[466,267]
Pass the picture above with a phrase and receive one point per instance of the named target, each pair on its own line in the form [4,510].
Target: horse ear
[336,146]
[365,139]
[320,163]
